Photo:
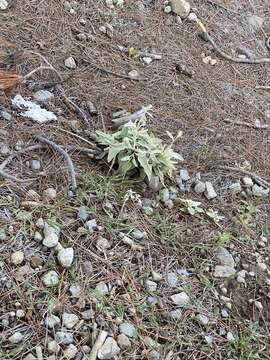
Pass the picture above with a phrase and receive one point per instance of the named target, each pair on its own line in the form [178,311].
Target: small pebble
[69,320]
[17,257]
[16,338]
[127,329]
[51,278]
[181,299]
[70,63]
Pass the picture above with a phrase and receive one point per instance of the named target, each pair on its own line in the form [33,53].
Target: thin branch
[254,126]
[222,7]
[99,342]
[223,54]
[132,117]
[40,68]
[255,177]
[66,156]
[262,87]
[47,62]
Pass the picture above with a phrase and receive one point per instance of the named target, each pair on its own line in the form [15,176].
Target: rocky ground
[124,269]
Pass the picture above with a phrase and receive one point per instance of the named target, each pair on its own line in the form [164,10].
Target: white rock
[40,223]
[35,164]
[39,353]
[262,266]
[33,111]
[49,194]
[91,225]
[3,4]
[175,314]
[52,321]
[70,352]
[259,191]
[167,9]
[43,95]
[17,257]
[69,320]
[16,338]
[64,337]
[210,192]
[133,74]
[258,305]
[181,299]
[184,175]
[138,234]
[156,276]
[51,236]
[247,181]
[109,349]
[102,288]
[209,340]
[147,60]
[172,279]
[103,244]
[151,285]
[5,115]
[192,16]
[235,188]
[224,313]
[20,313]
[66,257]
[224,271]
[200,187]
[202,319]
[123,341]
[224,257]
[86,349]
[53,347]
[180,7]
[70,63]
[51,278]
[230,337]
[164,195]
[75,290]
[127,329]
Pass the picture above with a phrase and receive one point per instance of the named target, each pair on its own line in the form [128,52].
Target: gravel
[51,278]
[123,341]
[17,257]
[128,329]
[69,320]
[109,349]
[51,236]
[181,299]
[70,352]
[16,338]
[64,337]
[43,95]
[66,257]
[210,192]
[70,63]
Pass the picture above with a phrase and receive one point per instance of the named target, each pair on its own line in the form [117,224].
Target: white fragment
[181,299]
[70,63]
[66,257]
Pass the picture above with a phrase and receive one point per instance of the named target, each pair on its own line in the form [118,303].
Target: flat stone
[123,341]
[235,188]
[151,285]
[103,244]
[175,314]
[200,187]
[181,299]
[51,278]
[109,349]
[3,4]
[223,256]
[43,95]
[259,191]
[224,271]
[247,181]
[66,257]
[17,257]
[53,347]
[127,329]
[64,337]
[69,320]
[210,192]
[83,213]
[70,352]
[180,7]
[16,338]
[70,63]
[202,319]
[102,288]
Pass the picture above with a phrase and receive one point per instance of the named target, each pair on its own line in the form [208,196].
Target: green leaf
[114,151]
[143,161]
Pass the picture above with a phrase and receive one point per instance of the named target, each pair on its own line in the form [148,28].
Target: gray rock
[133,74]
[184,175]
[180,7]
[4,150]
[103,244]
[200,187]
[154,183]
[255,22]
[164,195]
[230,337]
[151,285]
[266,114]
[52,321]
[16,338]
[20,313]
[40,223]
[88,314]
[169,204]
[223,256]
[75,290]
[86,349]
[167,9]
[156,276]
[35,165]
[83,213]
[224,313]
[202,319]
[235,188]
[69,320]
[138,234]
[53,347]
[70,352]
[91,108]
[247,181]
[87,268]
[64,337]
[51,278]
[123,341]
[128,329]
[259,191]
[153,355]
[70,63]
[17,257]
[30,357]
[224,271]
[67,6]
[51,236]
[102,288]
[81,37]
[172,279]
[5,115]
[181,299]
[147,210]
[3,4]
[91,225]
[39,353]
[109,349]
[210,192]
[43,95]
[66,257]
[175,314]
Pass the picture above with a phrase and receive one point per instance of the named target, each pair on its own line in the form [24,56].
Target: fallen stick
[208,38]
[262,87]
[8,160]
[254,126]
[99,342]
[255,177]
[59,149]
[132,117]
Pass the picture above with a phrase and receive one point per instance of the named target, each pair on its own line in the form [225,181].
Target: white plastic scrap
[33,110]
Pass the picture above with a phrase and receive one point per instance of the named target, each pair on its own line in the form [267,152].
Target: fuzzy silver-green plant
[133,147]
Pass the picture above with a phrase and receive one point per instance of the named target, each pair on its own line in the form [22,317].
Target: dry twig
[99,342]
[67,158]
[132,117]
[243,123]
